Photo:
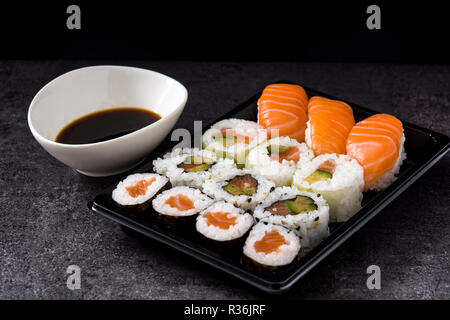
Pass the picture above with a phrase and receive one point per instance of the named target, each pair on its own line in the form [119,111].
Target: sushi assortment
[271,188]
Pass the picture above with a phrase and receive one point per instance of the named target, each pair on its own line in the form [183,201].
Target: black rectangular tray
[424,148]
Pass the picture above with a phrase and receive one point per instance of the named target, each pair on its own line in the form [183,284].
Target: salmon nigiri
[330,122]
[283,107]
[377,144]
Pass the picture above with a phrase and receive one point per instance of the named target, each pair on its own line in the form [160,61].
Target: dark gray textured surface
[45,225]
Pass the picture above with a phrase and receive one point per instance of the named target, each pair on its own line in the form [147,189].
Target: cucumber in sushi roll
[277,159]
[271,246]
[223,224]
[136,191]
[304,212]
[242,188]
[233,138]
[186,166]
[338,178]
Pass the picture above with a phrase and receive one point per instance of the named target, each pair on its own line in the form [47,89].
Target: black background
[411,32]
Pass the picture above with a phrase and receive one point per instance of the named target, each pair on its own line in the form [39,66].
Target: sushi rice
[242,222]
[171,165]
[233,138]
[311,226]
[267,165]
[224,169]
[342,188]
[283,255]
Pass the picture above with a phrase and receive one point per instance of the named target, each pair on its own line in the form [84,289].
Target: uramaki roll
[233,138]
[277,159]
[338,178]
[304,212]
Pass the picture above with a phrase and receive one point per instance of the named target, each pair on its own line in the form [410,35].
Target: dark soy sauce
[105,125]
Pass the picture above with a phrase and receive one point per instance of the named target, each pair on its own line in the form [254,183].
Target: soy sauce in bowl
[106,125]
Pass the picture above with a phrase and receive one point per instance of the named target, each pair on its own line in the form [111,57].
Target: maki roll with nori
[304,212]
[338,178]
[137,190]
[271,246]
[180,205]
[223,224]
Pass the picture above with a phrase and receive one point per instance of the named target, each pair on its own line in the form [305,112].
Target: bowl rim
[38,136]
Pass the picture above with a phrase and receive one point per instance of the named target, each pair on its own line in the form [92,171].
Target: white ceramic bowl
[86,90]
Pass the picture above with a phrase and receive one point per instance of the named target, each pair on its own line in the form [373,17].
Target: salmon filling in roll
[270,242]
[140,188]
[222,220]
[180,202]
